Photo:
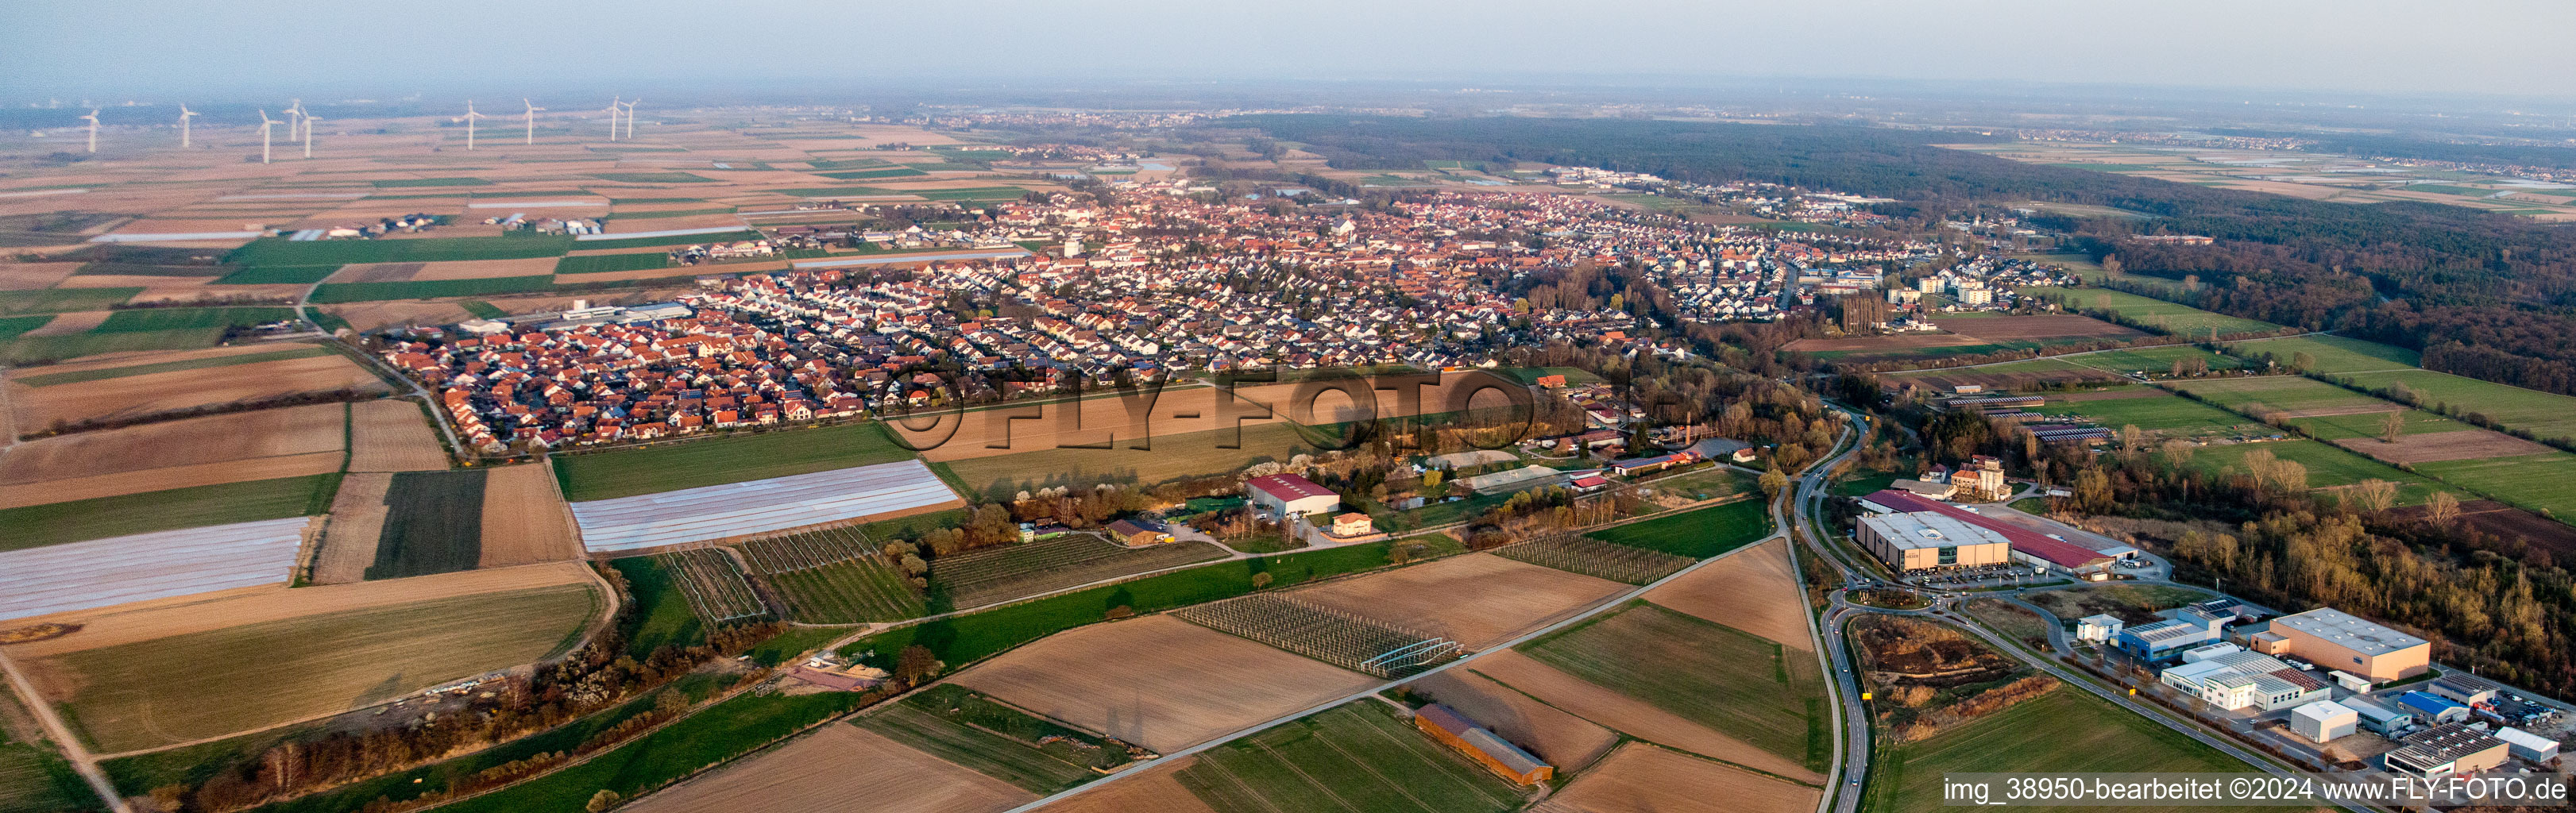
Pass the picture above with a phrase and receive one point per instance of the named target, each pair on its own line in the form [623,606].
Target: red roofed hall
[1286,495]
[2027,545]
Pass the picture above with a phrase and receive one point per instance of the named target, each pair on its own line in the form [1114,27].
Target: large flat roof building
[2027,545]
[2450,748]
[1287,494]
[1927,540]
[2335,639]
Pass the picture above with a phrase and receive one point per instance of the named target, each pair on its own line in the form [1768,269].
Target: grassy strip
[224,503]
[343,292]
[1697,534]
[281,251]
[716,461]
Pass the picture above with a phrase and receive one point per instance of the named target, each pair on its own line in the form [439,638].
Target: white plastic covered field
[759,506]
[116,570]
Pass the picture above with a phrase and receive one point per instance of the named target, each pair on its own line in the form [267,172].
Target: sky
[149,48]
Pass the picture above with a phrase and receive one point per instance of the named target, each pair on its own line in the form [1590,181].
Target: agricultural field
[2543,483]
[744,510]
[995,575]
[2156,361]
[2544,415]
[169,319]
[122,698]
[2328,466]
[2062,731]
[714,585]
[170,510]
[1628,715]
[1595,558]
[1695,534]
[1479,599]
[1158,681]
[1692,486]
[663,615]
[823,770]
[146,383]
[433,524]
[2174,318]
[1640,776]
[103,572]
[832,577]
[523,522]
[1755,590]
[33,777]
[1564,740]
[261,445]
[2048,329]
[276,251]
[1174,456]
[993,739]
[2006,377]
[1331,635]
[2153,410]
[1750,688]
[716,461]
[1357,758]
[393,435]
[2329,354]
[606,263]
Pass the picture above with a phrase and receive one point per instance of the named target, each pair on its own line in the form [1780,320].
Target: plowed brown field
[1754,590]
[1160,681]
[1478,600]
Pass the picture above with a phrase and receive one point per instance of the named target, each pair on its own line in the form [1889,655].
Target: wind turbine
[184,115]
[264,123]
[630,119]
[470,116]
[532,118]
[92,118]
[612,118]
[298,121]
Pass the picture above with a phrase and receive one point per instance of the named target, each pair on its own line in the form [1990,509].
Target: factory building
[2334,639]
[2446,749]
[2324,721]
[1927,540]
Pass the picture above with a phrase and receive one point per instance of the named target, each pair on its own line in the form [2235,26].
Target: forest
[2417,275]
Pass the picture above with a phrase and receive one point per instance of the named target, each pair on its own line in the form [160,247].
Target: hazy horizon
[57,49]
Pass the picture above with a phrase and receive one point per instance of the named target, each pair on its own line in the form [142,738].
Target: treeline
[332,396]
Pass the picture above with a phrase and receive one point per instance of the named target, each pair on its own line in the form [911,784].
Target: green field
[2542,483]
[602,263]
[1706,484]
[854,585]
[716,461]
[1699,533]
[62,300]
[2154,360]
[33,778]
[49,379]
[2301,393]
[2172,317]
[2331,354]
[2063,731]
[127,700]
[1573,375]
[342,292]
[270,251]
[1740,685]
[2327,465]
[963,639]
[866,174]
[27,349]
[652,177]
[12,327]
[161,319]
[1356,758]
[404,182]
[277,275]
[2542,414]
[2162,412]
[482,310]
[672,240]
[53,523]
[954,724]
[433,524]
[662,615]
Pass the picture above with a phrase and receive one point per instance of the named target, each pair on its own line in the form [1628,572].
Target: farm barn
[1285,495]
[1501,757]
